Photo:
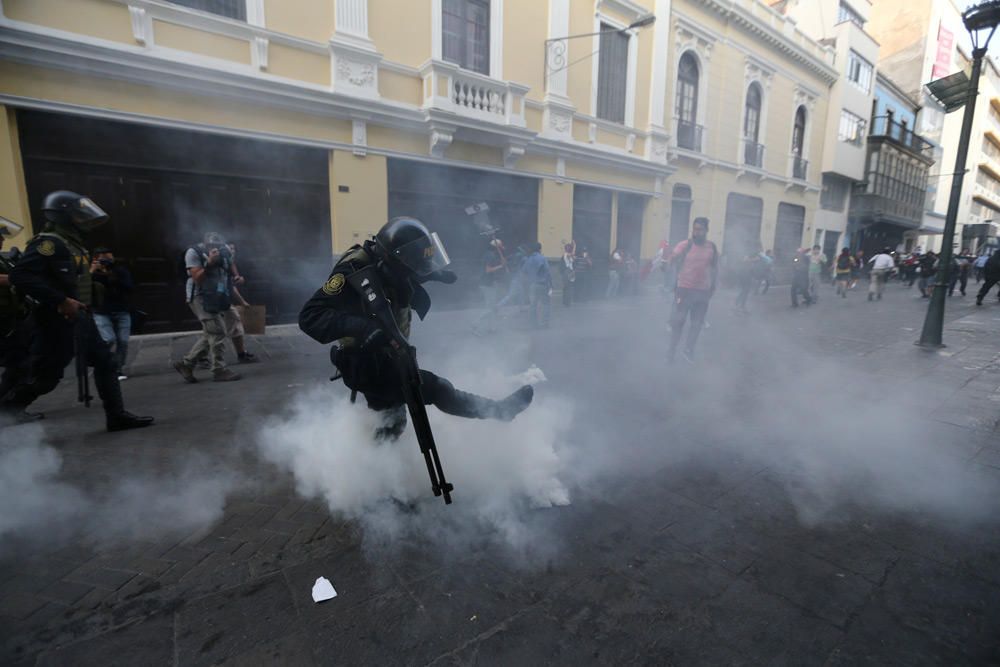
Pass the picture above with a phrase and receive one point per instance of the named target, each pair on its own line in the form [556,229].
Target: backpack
[843,262]
[215,297]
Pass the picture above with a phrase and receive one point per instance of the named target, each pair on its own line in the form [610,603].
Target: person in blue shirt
[538,278]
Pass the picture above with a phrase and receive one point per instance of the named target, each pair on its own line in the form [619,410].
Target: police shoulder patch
[47,248]
[334,285]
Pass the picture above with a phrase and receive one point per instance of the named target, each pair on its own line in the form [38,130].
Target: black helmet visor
[87,215]
[423,256]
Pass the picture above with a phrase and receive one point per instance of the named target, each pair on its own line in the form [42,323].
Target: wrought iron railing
[885,126]
[753,153]
[689,135]
[800,168]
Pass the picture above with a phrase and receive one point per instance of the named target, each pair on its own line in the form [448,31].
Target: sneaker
[204,364]
[688,356]
[186,371]
[225,375]
[122,378]
[247,358]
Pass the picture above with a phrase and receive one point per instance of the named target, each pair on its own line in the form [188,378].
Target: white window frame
[496,36]
[253,9]
[856,61]
[631,65]
[860,128]
[701,112]
[761,122]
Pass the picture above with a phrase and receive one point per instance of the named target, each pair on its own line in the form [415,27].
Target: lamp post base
[929,346]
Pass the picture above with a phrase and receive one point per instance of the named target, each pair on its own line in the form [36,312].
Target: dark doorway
[680,214]
[742,230]
[592,232]
[830,244]
[630,212]
[439,197]
[788,232]
[164,188]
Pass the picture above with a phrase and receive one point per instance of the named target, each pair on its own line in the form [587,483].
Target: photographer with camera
[211,273]
[112,311]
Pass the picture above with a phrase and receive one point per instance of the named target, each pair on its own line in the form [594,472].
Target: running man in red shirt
[696,261]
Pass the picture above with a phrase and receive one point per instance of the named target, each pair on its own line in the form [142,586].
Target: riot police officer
[406,254]
[14,334]
[54,273]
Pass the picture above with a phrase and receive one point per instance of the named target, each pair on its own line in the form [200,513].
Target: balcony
[753,154]
[872,208]
[884,127]
[800,168]
[467,94]
[689,135]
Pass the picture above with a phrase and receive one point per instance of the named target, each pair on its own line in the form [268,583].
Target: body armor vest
[359,258]
[85,287]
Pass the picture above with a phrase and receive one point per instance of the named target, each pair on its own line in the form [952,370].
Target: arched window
[799,163]
[753,151]
[686,104]
[799,132]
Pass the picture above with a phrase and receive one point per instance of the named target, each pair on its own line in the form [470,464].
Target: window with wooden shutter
[612,74]
[234,9]
[465,34]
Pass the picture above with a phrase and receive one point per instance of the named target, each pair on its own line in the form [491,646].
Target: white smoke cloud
[39,505]
[500,470]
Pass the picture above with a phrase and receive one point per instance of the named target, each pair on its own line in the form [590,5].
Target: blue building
[889,203]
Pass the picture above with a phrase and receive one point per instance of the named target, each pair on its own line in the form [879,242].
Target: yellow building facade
[316,120]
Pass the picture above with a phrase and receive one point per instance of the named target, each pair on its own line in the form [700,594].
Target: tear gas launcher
[81,341]
[367,283]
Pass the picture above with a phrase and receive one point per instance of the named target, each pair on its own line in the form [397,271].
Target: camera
[106,263]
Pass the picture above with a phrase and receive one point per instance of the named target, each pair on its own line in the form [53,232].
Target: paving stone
[148,643]
[18,605]
[294,650]
[222,625]
[101,576]
[66,592]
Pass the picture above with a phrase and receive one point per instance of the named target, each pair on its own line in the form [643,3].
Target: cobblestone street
[706,528]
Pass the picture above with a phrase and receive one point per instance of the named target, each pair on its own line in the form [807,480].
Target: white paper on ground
[323,590]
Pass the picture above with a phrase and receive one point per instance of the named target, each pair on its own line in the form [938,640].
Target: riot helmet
[406,242]
[9,228]
[68,208]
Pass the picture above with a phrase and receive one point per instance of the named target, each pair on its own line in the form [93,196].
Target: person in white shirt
[882,266]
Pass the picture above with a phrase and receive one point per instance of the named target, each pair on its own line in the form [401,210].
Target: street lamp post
[555,47]
[979,19]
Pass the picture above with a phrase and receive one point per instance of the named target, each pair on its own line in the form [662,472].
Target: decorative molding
[440,139]
[141,25]
[255,12]
[657,147]
[804,96]
[353,70]
[512,152]
[258,54]
[560,169]
[630,142]
[359,137]
[555,51]
[689,36]
[627,8]
[756,70]
[592,133]
[557,119]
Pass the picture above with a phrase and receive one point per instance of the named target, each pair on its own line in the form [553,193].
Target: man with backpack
[696,261]
[210,271]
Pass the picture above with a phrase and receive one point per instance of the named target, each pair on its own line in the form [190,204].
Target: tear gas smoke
[39,506]
[500,470]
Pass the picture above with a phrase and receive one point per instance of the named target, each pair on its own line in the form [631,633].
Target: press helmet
[65,207]
[407,243]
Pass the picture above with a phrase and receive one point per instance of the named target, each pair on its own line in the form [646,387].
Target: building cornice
[737,12]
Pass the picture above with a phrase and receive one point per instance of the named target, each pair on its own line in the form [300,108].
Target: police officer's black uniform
[406,255]
[14,336]
[55,268]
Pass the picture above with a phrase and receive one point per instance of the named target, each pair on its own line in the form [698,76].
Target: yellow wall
[308,19]
[182,38]
[72,88]
[525,30]
[97,18]
[357,214]
[401,30]
[13,194]
[297,64]
[400,87]
[555,216]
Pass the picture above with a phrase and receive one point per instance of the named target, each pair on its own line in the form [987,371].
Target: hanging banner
[942,61]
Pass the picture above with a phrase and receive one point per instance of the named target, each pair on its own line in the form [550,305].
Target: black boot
[463,404]
[123,421]
[514,404]
[393,424]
